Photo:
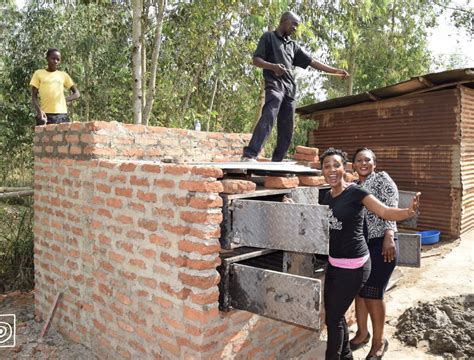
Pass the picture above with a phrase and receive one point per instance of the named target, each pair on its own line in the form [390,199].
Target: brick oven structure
[133,243]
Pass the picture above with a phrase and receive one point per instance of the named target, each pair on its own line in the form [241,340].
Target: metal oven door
[252,280]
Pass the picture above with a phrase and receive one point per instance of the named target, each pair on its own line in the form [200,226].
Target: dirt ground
[423,303]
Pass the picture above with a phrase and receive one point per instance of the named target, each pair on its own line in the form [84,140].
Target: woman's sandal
[374,357]
[356,346]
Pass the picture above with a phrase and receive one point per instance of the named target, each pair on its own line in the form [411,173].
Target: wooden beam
[372,96]
[425,82]
[14,194]
[52,310]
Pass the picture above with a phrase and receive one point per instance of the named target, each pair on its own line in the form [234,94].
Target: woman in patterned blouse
[382,243]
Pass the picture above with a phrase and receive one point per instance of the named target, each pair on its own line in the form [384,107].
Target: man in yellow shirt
[49,84]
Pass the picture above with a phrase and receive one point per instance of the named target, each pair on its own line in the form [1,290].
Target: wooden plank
[52,311]
[14,194]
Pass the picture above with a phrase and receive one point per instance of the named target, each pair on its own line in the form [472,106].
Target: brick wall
[134,245]
[113,140]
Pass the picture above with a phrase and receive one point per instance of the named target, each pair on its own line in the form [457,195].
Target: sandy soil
[447,271]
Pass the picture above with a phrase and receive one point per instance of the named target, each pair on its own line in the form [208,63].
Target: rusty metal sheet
[409,250]
[285,297]
[467,160]
[275,225]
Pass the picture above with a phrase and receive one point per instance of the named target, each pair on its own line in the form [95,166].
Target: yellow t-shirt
[51,87]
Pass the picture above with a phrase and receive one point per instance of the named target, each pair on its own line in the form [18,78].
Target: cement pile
[446,324]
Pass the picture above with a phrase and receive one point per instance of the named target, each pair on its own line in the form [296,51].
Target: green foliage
[16,247]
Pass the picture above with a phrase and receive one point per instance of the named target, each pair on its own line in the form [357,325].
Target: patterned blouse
[382,186]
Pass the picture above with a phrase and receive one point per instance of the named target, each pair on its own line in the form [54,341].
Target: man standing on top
[277,54]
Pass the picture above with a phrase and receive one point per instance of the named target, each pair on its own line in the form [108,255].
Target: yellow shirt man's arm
[35,84]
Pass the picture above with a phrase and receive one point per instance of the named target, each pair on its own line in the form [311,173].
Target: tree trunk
[136,61]
[150,95]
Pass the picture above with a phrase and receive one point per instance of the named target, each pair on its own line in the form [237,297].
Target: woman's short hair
[364,149]
[331,151]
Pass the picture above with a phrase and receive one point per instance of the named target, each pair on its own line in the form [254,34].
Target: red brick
[180,230]
[180,201]
[205,203]
[104,212]
[139,181]
[205,299]
[202,264]
[149,253]
[105,289]
[118,179]
[201,217]
[208,172]
[164,183]
[125,326]
[199,316]
[138,263]
[126,246]
[159,240]
[171,348]
[177,169]
[146,336]
[127,192]
[162,302]
[135,235]
[311,180]
[107,266]
[202,186]
[115,203]
[201,248]
[127,167]
[276,182]
[168,213]
[150,225]
[201,282]
[137,206]
[116,257]
[180,294]
[233,186]
[126,220]
[148,282]
[151,168]
[179,261]
[146,196]
[307,150]
[124,299]
[128,275]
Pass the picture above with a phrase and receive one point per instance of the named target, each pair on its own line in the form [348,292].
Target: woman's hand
[389,251]
[415,205]
[288,200]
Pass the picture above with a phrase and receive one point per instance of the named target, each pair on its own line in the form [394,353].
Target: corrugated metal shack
[422,131]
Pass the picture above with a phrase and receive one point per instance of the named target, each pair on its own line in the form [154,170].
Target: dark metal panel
[409,250]
[285,297]
[417,141]
[274,225]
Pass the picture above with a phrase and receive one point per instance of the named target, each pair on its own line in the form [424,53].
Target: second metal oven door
[409,250]
[286,297]
[275,225]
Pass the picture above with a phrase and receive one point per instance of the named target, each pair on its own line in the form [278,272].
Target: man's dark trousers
[282,108]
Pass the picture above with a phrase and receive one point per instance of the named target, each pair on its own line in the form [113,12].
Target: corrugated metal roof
[420,83]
